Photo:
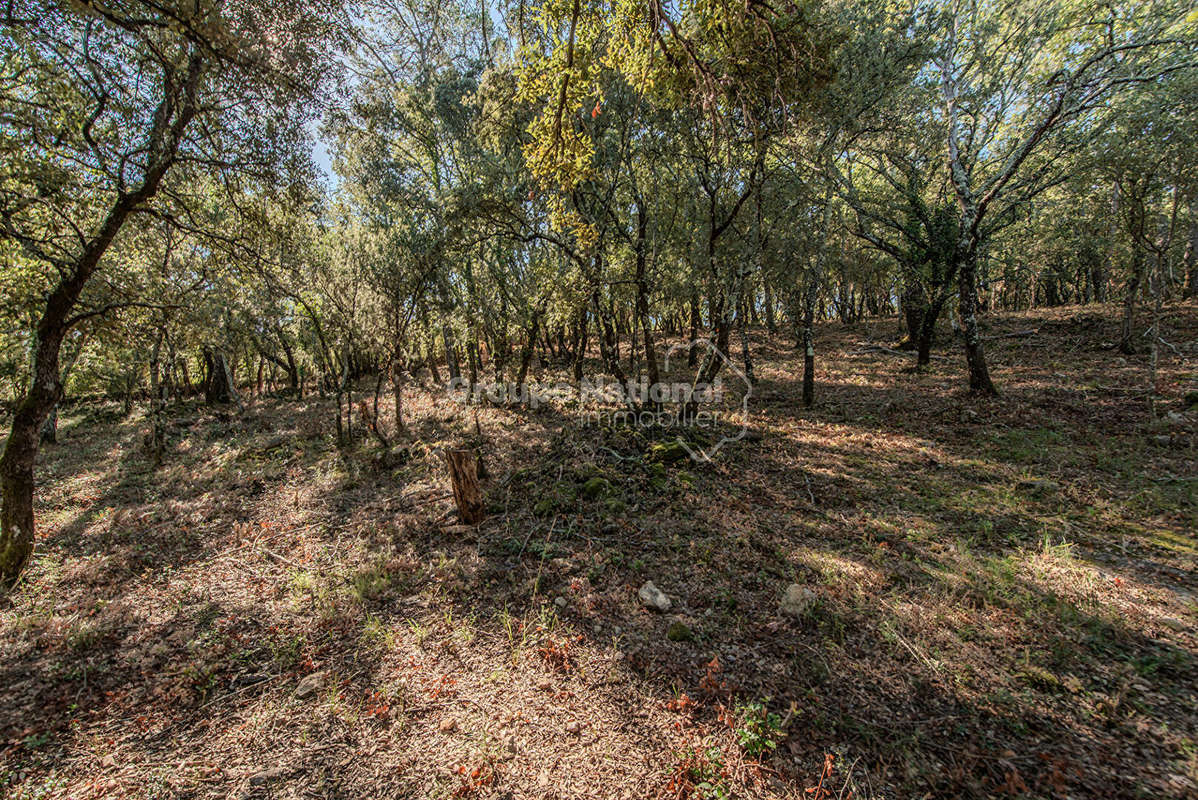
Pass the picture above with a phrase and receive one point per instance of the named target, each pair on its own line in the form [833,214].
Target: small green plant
[757,729]
[699,775]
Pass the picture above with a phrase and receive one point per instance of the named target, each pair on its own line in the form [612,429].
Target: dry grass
[1004,595]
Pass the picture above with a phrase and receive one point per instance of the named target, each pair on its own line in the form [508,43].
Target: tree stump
[463,474]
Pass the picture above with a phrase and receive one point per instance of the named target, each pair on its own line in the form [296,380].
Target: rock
[560,602]
[1037,486]
[679,632]
[969,415]
[448,725]
[544,684]
[1173,624]
[1173,418]
[573,727]
[797,600]
[1163,440]
[309,685]
[266,776]
[667,452]
[653,598]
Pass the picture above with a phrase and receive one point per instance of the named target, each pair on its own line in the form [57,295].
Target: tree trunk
[530,343]
[1130,298]
[451,354]
[927,328]
[289,367]
[219,385]
[770,321]
[20,450]
[808,344]
[1190,258]
[397,369]
[915,309]
[814,277]
[642,297]
[693,354]
[157,403]
[582,327]
[607,340]
[975,356]
[745,352]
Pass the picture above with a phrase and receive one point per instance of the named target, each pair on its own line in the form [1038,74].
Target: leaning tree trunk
[20,450]
[927,327]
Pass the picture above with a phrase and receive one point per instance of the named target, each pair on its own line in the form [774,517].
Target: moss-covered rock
[595,488]
[669,452]
[679,632]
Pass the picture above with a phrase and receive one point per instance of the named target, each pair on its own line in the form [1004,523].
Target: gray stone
[653,598]
[797,600]
[309,685]
[266,776]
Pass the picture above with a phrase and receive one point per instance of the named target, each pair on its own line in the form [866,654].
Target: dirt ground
[994,596]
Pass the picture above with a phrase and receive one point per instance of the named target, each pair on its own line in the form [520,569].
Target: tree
[1021,88]
[87,149]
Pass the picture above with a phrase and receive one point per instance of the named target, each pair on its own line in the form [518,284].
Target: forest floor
[996,596]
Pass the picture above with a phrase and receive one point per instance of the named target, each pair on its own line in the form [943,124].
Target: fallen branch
[282,560]
[413,503]
[866,347]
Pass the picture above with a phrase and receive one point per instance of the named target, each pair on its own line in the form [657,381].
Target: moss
[668,452]
[595,488]
[679,632]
